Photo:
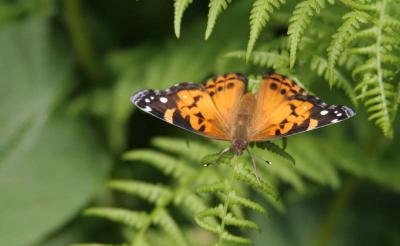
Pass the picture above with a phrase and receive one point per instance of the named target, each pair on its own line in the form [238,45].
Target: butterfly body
[223,109]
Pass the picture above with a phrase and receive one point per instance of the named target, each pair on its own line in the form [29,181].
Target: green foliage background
[79,165]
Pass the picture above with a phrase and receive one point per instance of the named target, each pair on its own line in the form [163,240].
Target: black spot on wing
[182,122]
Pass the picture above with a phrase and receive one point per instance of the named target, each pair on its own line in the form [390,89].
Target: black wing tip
[348,111]
[137,96]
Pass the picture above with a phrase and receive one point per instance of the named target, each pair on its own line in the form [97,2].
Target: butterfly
[223,109]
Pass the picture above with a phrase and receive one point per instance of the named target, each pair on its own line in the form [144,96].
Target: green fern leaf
[140,240]
[216,8]
[189,201]
[178,146]
[127,217]
[228,218]
[228,237]
[299,22]
[320,66]
[163,162]
[180,6]
[351,24]
[211,188]
[165,221]
[247,176]
[363,6]
[269,59]
[235,199]
[150,192]
[259,16]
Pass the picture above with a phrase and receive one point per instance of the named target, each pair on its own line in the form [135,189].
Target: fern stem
[378,62]
[228,189]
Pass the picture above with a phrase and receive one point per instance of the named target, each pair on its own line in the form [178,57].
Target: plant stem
[228,190]
[379,65]
[338,205]
[80,38]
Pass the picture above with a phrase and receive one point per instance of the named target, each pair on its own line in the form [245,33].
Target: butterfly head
[238,145]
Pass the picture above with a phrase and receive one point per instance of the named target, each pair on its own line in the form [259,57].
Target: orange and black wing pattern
[204,109]
[284,108]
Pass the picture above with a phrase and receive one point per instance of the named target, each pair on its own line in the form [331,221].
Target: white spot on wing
[339,114]
[324,112]
[334,121]
[147,109]
[152,98]
[163,99]
[147,100]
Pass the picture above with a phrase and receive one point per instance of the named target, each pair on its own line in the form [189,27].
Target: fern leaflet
[216,8]
[259,16]
[180,6]
[299,22]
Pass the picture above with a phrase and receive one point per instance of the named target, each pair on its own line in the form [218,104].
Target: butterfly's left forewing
[283,108]
[186,105]
[207,109]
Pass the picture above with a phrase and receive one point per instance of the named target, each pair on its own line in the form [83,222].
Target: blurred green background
[67,70]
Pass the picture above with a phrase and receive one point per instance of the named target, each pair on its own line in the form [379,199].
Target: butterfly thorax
[240,131]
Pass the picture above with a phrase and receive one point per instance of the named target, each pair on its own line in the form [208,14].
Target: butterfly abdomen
[243,118]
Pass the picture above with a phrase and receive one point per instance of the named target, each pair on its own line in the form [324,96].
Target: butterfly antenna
[254,165]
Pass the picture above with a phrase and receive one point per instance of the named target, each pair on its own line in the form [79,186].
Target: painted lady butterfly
[221,108]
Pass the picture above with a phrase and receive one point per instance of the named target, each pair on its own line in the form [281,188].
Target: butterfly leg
[254,165]
[220,154]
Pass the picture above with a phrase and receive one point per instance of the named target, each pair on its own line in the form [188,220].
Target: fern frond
[352,22]
[235,199]
[391,22]
[375,88]
[216,8]
[211,188]
[178,146]
[127,217]
[362,6]
[163,162]
[150,192]
[299,21]
[259,16]
[320,66]
[179,8]
[167,223]
[270,59]
[188,200]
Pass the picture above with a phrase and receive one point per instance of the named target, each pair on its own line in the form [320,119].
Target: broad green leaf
[50,164]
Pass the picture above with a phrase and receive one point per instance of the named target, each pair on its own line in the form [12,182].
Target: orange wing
[203,109]
[283,108]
